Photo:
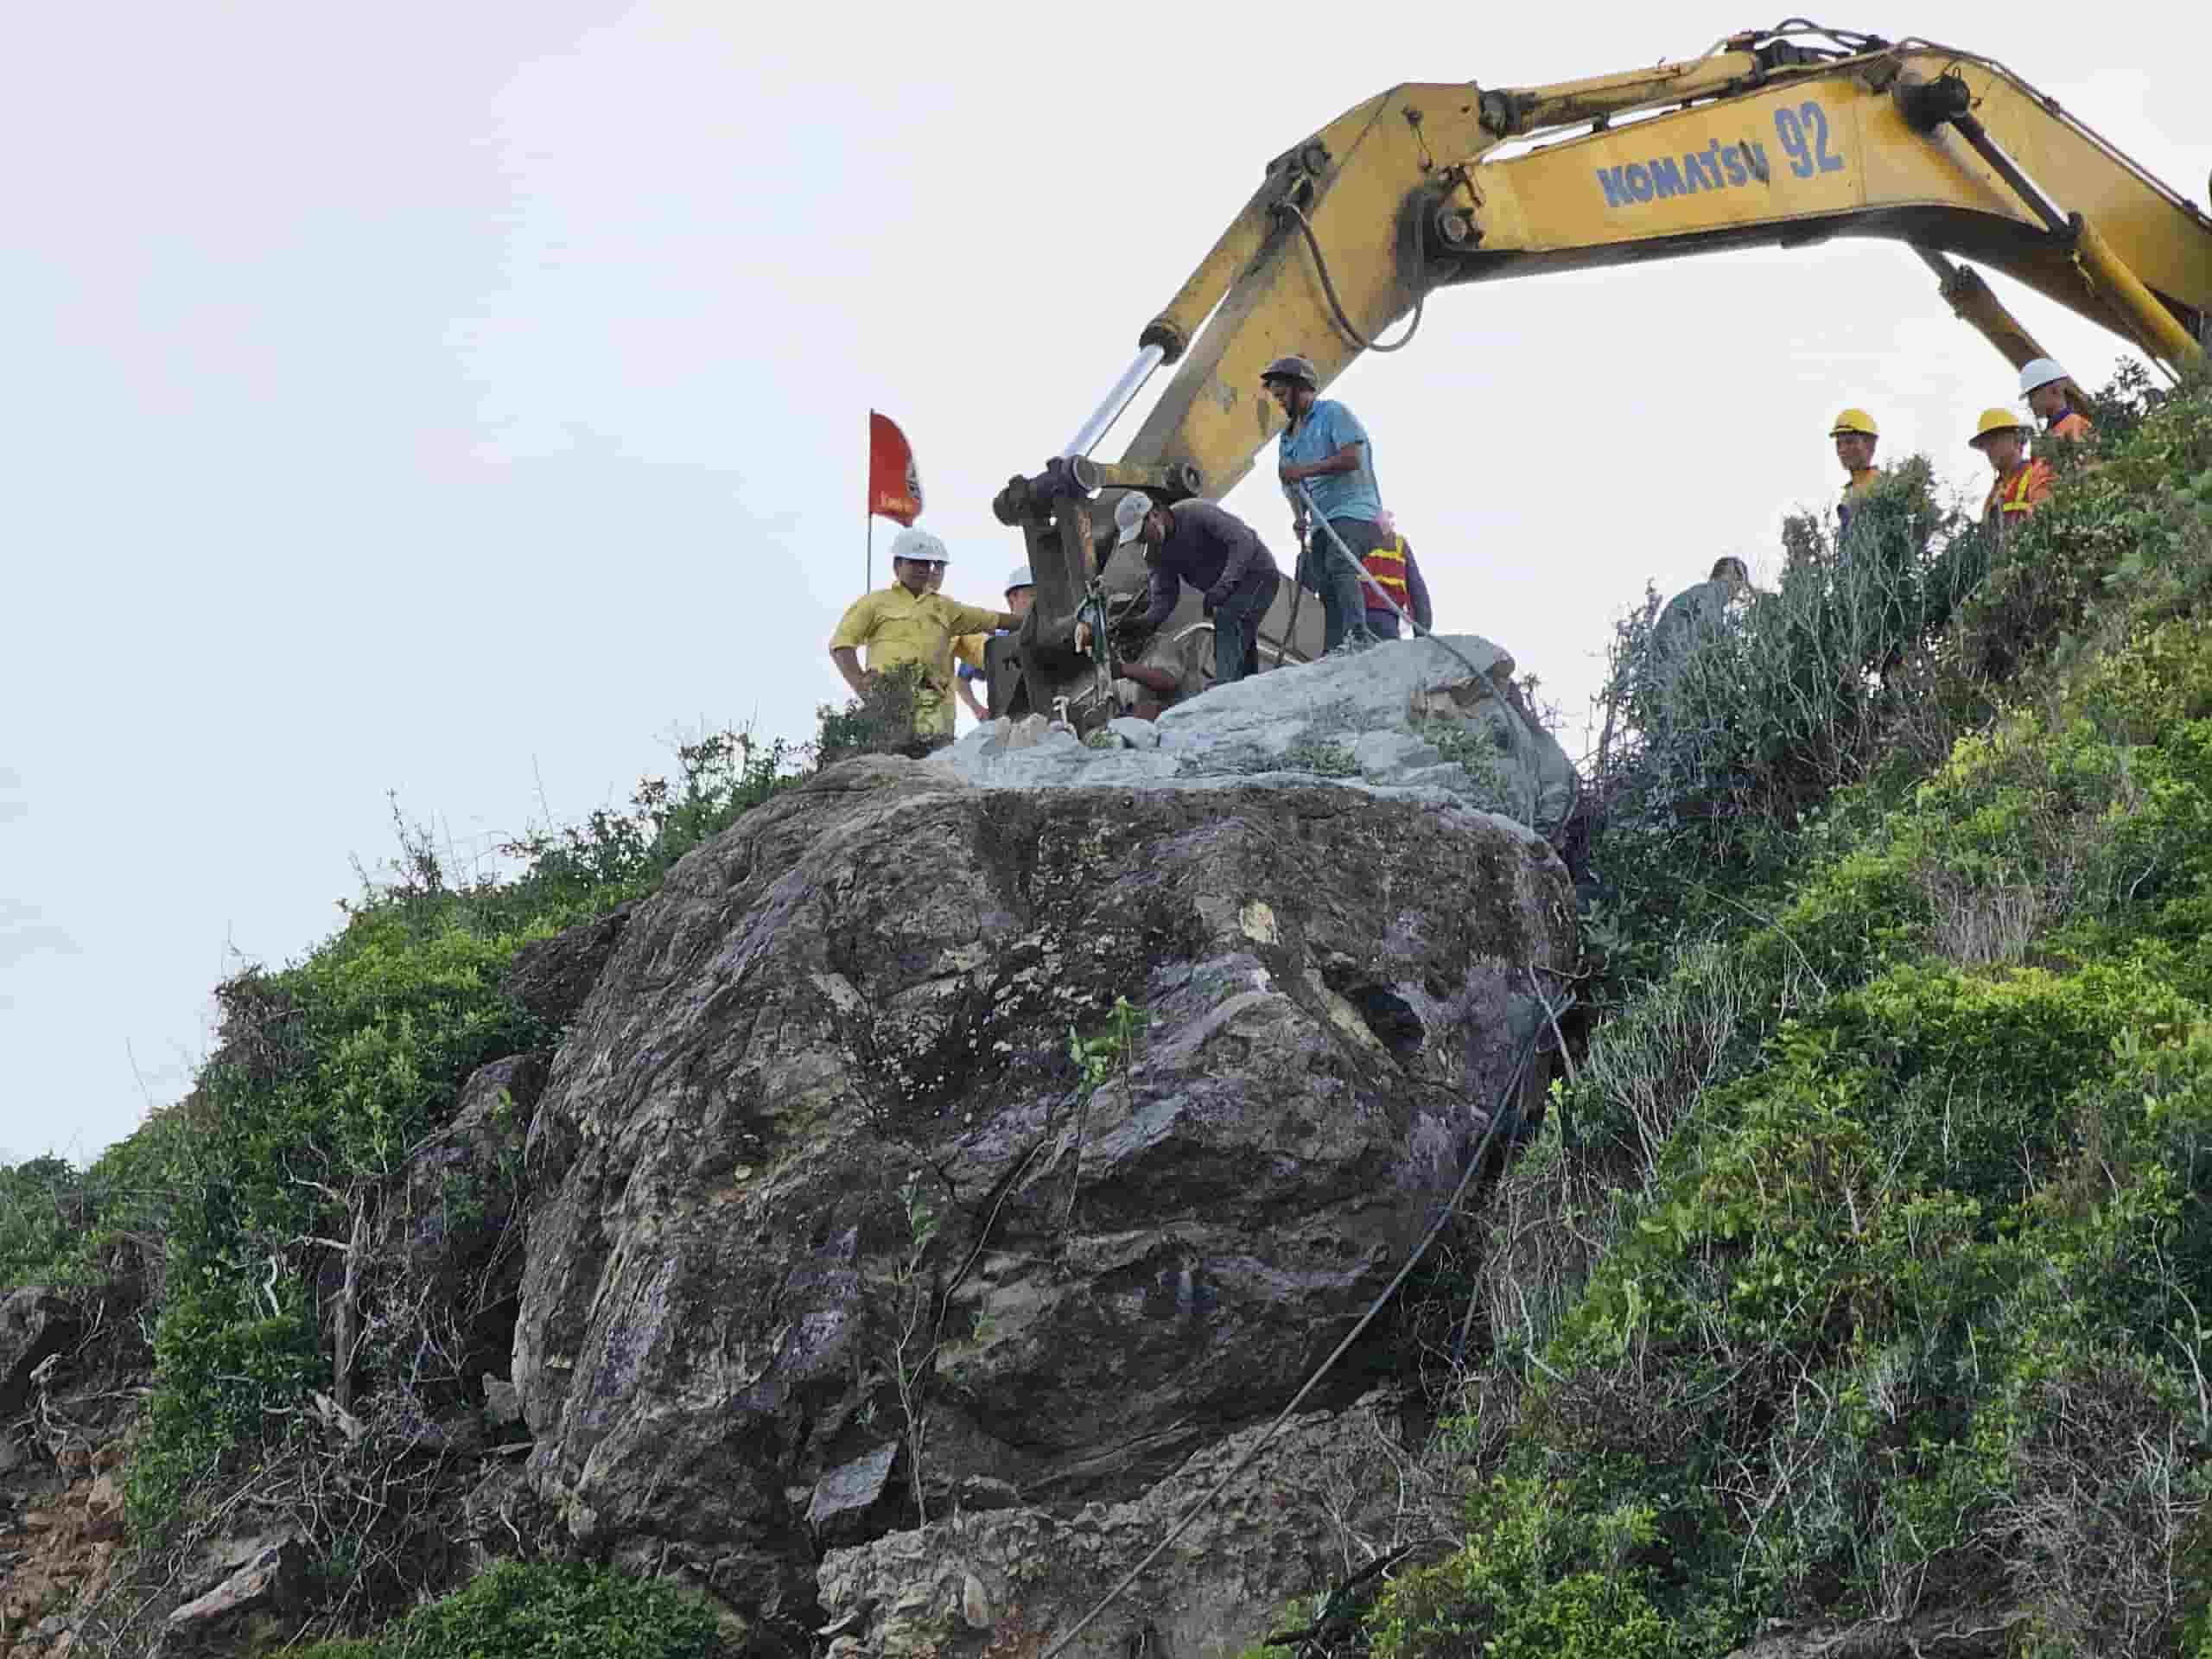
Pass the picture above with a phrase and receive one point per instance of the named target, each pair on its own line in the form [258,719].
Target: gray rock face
[1299,1520]
[553,977]
[844,1497]
[814,1174]
[447,1219]
[1380,720]
[250,1606]
[35,1325]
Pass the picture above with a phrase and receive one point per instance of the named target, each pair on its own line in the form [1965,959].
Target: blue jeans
[1237,630]
[1322,570]
[1383,625]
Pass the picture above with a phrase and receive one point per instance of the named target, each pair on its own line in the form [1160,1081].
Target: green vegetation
[1322,759]
[1862,1272]
[880,722]
[222,1226]
[1538,1580]
[535,1609]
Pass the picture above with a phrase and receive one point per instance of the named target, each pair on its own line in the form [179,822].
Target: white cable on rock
[1369,577]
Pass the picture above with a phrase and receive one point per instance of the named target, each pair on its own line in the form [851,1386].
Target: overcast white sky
[461,400]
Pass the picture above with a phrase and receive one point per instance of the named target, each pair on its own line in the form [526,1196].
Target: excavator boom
[1780,138]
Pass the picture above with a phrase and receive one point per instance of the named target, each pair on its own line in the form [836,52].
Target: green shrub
[327,1074]
[1536,1580]
[614,855]
[1869,1263]
[1713,759]
[46,1211]
[879,722]
[518,1609]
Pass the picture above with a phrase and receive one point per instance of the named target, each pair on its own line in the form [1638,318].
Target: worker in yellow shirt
[1855,435]
[909,622]
[2022,484]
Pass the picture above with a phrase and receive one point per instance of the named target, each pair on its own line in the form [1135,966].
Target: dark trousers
[1322,570]
[1237,630]
[1383,625]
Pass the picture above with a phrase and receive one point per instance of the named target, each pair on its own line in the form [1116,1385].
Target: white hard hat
[1128,516]
[919,545]
[2040,372]
[1021,578]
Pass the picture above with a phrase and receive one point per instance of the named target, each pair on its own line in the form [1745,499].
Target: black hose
[1337,306]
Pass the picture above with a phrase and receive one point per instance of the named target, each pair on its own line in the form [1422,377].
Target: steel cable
[1451,1208]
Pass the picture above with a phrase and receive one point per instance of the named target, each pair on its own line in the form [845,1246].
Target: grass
[1860,1275]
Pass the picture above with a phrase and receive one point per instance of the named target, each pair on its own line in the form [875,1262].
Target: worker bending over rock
[1217,553]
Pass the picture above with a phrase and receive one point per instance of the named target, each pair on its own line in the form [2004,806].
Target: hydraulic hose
[1337,306]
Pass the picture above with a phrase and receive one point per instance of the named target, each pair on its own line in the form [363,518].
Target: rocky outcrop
[829,1231]
[1313,1509]
[62,1528]
[34,1326]
[1435,720]
[552,977]
[445,1226]
[251,1605]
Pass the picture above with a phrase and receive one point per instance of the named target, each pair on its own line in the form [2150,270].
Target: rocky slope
[829,1236]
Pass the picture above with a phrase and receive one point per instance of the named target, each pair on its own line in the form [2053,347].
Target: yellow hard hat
[1854,420]
[1993,421]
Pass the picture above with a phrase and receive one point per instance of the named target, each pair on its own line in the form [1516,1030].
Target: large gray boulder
[814,1177]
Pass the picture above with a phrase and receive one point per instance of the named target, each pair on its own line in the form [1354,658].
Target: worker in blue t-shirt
[1324,447]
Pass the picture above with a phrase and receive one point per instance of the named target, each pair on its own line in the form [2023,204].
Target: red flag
[894,486]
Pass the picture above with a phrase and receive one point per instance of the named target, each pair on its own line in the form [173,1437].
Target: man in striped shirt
[1393,565]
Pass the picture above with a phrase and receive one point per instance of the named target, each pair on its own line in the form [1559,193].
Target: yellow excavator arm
[1786,137]
[1763,141]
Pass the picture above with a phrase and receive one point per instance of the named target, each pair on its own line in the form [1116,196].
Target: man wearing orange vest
[2023,484]
[1855,435]
[1392,565]
[2054,399]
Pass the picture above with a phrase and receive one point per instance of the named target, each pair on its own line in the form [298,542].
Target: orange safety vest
[1388,566]
[2019,492]
[2072,424]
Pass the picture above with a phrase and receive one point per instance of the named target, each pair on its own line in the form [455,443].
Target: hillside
[1861,1285]
[1853,1280]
